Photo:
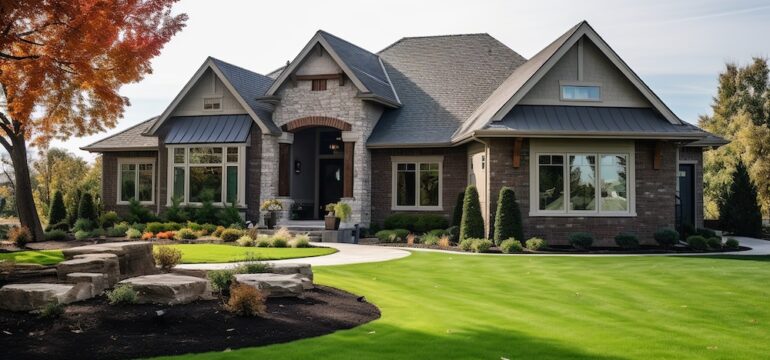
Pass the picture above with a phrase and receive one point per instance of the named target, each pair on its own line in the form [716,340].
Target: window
[212,104]
[586,184]
[318,85]
[581,92]
[136,180]
[417,183]
[213,170]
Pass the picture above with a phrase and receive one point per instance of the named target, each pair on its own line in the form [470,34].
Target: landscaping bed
[95,329]
[566,249]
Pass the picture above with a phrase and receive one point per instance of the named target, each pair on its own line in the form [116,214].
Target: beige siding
[208,86]
[318,64]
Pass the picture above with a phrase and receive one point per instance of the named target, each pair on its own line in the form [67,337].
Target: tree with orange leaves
[62,64]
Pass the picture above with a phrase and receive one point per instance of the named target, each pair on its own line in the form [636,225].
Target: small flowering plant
[271,205]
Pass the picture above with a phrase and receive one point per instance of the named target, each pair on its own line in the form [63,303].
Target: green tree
[57,212]
[508,217]
[87,208]
[741,114]
[739,211]
[472,223]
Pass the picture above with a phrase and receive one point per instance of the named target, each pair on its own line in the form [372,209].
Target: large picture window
[582,184]
[136,180]
[216,171]
[417,183]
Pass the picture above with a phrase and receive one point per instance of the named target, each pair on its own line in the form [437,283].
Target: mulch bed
[644,249]
[95,329]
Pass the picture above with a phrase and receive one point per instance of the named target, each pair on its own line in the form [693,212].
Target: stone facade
[655,191]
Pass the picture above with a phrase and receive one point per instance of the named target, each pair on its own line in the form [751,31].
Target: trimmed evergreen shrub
[429,239]
[739,211]
[57,213]
[732,244]
[133,233]
[535,244]
[167,257]
[438,232]
[401,234]
[55,235]
[62,225]
[82,235]
[386,236]
[706,233]
[156,227]
[697,243]
[510,246]
[472,223]
[175,212]
[221,279]
[457,213]
[122,294]
[230,235]
[627,241]
[666,237]
[207,213]
[109,219]
[87,209]
[507,217]
[83,224]
[138,213]
[581,240]
[454,233]
[428,222]
[209,228]
[714,243]
[230,215]
[481,245]
[185,234]
[400,221]
[118,230]
[466,245]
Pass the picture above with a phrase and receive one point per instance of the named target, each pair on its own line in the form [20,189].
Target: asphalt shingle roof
[440,81]
[129,139]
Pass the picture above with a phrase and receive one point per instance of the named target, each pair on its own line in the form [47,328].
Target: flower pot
[332,222]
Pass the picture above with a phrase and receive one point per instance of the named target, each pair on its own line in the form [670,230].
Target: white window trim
[580,148]
[241,164]
[395,160]
[135,161]
[563,83]
[221,103]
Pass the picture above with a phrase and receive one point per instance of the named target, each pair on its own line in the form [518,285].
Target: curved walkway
[356,254]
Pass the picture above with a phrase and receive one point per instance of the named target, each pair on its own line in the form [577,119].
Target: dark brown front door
[329,183]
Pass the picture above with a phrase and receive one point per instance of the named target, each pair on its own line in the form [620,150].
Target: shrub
[706,233]
[245,241]
[207,213]
[174,212]
[282,234]
[279,242]
[137,213]
[400,221]
[666,237]
[185,234]
[62,225]
[454,233]
[430,239]
[194,226]
[481,245]
[246,300]
[457,213]
[218,231]
[343,211]
[148,236]
[732,244]
[472,224]
[386,236]
[263,241]
[427,222]
[581,240]
[510,246]
[122,294]
[167,257]
[87,209]
[230,215]
[139,226]
[57,213]
[508,216]
[83,224]
[739,211]
[52,310]
[55,235]
[627,241]
[438,232]
[221,279]
[117,231]
[133,233]
[165,235]
[109,219]
[97,232]
[20,235]
[401,234]
[155,227]
[714,243]
[82,235]
[301,241]
[444,242]
[172,226]
[253,266]
[697,243]
[209,229]
[535,244]
[230,235]
[466,245]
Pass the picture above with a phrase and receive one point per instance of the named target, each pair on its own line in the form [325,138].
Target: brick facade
[110,179]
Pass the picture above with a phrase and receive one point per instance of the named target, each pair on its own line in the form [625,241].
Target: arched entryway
[316,165]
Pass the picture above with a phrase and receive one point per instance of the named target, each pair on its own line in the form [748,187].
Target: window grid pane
[205,179]
[582,183]
[232,184]
[406,180]
[206,155]
[614,183]
[551,182]
[127,182]
[179,183]
[144,186]
[429,184]
[179,156]
[575,92]
[232,154]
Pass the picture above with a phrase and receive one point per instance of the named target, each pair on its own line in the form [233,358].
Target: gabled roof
[364,69]
[245,85]
[440,81]
[526,76]
[128,139]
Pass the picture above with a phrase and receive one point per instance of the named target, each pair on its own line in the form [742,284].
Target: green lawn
[438,306]
[191,254]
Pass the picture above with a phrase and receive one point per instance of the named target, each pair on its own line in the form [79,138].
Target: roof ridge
[321,31]
[436,36]
[239,67]
[123,131]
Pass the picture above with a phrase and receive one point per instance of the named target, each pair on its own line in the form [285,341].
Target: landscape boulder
[135,257]
[169,289]
[106,264]
[304,270]
[91,283]
[27,297]
[274,285]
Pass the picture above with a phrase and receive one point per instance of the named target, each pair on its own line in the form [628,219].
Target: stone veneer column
[360,200]
[283,174]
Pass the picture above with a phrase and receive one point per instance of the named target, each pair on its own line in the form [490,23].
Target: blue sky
[677,47]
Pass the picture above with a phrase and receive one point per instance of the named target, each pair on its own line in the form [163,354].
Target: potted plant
[271,207]
[336,212]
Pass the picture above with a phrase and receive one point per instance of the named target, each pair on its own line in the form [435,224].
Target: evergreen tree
[57,211]
[74,205]
[507,217]
[739,211]
[457,213]
[87,209]
[472,223]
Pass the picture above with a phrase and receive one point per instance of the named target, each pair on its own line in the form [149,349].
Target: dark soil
[566,249]
[94,329]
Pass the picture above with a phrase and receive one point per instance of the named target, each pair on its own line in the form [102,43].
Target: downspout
[488,223]
[157,183]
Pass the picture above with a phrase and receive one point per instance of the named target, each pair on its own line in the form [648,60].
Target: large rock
[92,283]
[27,297]
[304,270]
[106,264]
[274,285]
[134,257]
[169,289]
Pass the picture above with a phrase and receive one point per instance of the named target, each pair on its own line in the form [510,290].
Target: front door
[686,208]
[329,183]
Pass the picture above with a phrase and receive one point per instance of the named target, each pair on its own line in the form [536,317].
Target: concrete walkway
[346,254]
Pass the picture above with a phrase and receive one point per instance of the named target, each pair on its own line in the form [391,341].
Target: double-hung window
[197,172]
[136,180]
[417,183]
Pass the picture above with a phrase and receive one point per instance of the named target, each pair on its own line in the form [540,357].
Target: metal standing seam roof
[209,129]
